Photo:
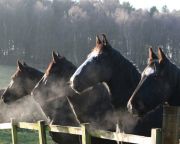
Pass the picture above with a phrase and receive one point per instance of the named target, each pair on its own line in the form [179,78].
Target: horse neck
[60,112]
[58,109]
[124,80]
[93,106]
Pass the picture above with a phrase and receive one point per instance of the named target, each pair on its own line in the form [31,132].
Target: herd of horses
[106,90]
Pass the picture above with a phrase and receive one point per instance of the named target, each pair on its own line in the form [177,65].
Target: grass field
[24,137]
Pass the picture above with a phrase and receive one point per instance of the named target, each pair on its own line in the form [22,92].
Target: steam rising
[51,104]
[24,109]
[52,97]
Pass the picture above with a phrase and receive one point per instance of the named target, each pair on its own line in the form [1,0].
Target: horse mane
[115,52]
[35,72]
[135,65]
[176,71]
[124,62]
[128,83]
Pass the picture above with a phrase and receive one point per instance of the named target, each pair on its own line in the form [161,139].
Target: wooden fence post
[42,132]
[171,125]
[156,136]
[86,138]
[13,132]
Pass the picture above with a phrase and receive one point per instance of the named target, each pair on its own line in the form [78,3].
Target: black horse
[57,109]
[92,106]
[159,84]
[105,64]
[22,83]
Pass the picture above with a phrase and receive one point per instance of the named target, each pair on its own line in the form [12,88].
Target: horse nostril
[34,92]
[71,79]
[71,84]
[129,106]
[5,100]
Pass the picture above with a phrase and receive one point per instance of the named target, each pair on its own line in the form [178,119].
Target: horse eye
[156,76]
[95,59]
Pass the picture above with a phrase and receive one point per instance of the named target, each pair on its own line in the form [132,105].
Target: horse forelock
[135,65]
[96,49]
[100,47]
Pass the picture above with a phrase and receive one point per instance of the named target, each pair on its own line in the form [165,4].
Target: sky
[171,4]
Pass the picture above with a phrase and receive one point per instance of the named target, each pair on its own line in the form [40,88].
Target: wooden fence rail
[171,128]
[84,131]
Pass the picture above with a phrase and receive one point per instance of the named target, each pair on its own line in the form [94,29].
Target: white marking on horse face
[148,71]
[45,78]
[11,83]
[42,79]
[89,59]
[35,87]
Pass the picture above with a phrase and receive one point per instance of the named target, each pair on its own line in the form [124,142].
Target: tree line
[31,29]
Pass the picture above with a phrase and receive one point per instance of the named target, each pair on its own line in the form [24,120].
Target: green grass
[24,137]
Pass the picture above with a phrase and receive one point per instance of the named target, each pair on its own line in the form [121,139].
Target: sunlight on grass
[24,137]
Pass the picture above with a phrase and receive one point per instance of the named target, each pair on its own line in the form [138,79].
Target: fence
[157,136]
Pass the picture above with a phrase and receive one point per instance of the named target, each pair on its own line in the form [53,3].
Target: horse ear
[104,39]
[20,65]
[161,56]
[152,56]
[57,53]
[98,41]
[55,56]
[24,64]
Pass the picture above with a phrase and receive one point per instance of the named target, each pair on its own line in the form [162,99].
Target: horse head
[96,68]
[22,82]
[157,85]
[57,74]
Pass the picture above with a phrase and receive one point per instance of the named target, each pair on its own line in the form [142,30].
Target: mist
[24,109]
